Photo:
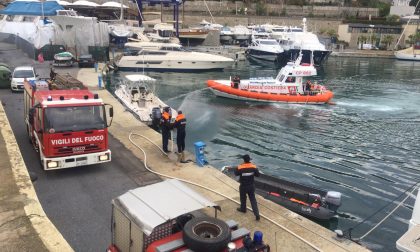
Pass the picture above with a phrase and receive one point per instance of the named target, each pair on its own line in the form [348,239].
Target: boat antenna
[408,22]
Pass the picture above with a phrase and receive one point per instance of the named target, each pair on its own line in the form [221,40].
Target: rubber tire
[195,230]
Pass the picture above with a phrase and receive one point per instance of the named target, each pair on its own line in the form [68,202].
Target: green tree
[392,18]
[260,8]
[332,33]
[373,38]
[413,38]
[362,39]
[387,40]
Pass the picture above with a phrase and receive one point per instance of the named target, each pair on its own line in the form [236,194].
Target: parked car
[5,76]
[86,61]
[20,74]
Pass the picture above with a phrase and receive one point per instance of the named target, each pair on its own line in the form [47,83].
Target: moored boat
[303,199]
[289,86]
[138,96]
[411,53]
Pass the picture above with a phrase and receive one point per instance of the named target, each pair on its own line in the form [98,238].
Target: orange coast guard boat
[290,86]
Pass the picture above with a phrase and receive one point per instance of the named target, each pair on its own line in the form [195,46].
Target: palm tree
[387,40]
[362,39]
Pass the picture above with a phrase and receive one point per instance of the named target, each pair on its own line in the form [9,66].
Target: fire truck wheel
[206,234]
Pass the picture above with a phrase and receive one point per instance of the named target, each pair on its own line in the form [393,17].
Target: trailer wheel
[206,234]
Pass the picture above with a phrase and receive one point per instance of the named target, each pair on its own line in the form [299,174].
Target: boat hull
[407,56]
[264,55]
[133,63]
[241,94]
[293,196]
[319,56]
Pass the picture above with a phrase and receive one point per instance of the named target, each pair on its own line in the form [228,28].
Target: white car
[20,74]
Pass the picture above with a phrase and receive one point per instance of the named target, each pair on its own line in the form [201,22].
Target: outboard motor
[333,200]
[156,116]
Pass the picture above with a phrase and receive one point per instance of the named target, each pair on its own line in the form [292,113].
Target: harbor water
[365,146]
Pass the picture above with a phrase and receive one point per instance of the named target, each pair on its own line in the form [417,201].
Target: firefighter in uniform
[246,172]
[180,124]
[165,123]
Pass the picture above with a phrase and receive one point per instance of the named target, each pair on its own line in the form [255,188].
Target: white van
[19,75]
[369,47]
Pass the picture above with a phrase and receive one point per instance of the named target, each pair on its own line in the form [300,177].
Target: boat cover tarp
[24,8]
[155,204]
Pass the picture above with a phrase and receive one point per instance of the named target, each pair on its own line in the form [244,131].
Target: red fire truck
[66,123]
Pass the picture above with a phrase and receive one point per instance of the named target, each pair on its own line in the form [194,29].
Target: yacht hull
[263,55]
[319,56]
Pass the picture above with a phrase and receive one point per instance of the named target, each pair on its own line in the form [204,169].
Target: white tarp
[75,33]
[153,205]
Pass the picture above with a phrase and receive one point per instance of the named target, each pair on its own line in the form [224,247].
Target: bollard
[199,153]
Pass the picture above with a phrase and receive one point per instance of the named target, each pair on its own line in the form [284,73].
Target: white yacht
[278,32]
[136,92]
[162,57]
[226,34]
[240,33]
[163,32]
[297,39]
[265,49]
[260,32]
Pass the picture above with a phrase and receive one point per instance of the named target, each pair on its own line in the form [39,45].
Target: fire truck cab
[66,125]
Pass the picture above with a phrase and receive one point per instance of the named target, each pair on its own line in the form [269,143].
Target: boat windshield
[268,42]
[68,119]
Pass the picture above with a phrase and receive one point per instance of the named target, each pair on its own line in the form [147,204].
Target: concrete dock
[25,227]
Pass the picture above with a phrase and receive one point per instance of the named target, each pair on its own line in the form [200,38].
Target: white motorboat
[147,56]
[265,49]
[163,32]
[240,33]
[411,53]
[260,32]
[137,94]
[226,34]
[409,242]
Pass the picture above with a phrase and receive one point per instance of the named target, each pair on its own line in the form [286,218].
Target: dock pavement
[25,227]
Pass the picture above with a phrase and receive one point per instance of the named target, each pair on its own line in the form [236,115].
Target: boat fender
[274,194]
[299,201]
